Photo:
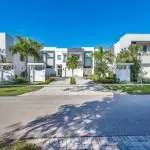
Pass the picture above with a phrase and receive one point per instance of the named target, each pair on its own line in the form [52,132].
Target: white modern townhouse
[6,41]
[143,41]
[55,60]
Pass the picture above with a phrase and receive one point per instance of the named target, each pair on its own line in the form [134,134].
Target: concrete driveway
[65,116]
[61,86]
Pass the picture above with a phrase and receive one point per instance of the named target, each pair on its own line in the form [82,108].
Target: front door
[59,70]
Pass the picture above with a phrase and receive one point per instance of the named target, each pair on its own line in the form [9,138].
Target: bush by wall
[72,80]
[21,80]
[47,80]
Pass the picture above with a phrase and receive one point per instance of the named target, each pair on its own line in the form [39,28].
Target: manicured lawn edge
[17,90]
[130,89]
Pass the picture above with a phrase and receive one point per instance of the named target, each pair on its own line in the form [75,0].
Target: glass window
[58,57]
[39,59]
[38,67]
[87,59]
[144,48]
[121,67]
[50,59]
[65,58]
[88,54]
[50,54]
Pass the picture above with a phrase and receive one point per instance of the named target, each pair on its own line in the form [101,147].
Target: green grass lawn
[17,90]
[130,89]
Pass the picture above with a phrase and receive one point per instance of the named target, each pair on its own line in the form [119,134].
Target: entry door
[59,70]
[39,73]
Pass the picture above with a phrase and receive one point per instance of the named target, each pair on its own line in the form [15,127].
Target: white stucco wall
[146,72]
[126,41]
[117,48]
[2,41]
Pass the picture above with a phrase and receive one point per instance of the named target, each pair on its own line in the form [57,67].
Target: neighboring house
[6,41]
[56,58]
[143,41]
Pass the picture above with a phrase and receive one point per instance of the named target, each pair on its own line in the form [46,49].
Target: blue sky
[75,23]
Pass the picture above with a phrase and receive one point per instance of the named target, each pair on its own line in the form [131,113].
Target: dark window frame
[145,47]
[48,66]
[58,56]
[87,66]
[64,57]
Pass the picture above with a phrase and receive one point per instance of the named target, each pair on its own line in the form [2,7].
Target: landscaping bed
[130,89]
[20,145]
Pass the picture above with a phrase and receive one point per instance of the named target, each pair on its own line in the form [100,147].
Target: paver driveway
[89,111]
[62,87]
[50,116]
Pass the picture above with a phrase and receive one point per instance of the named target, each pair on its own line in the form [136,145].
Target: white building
[143,41]
[56,58]
[6,41]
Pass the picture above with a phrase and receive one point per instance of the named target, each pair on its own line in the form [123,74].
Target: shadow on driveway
[94,118]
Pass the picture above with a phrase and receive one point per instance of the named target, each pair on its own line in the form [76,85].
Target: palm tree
[129,55]
[72,63]
[26,47]
[102,60]
[132,54]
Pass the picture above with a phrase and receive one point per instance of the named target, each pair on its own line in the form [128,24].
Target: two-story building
[56,59]
[143,41]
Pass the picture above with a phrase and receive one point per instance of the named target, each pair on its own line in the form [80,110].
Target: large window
[39,59]
[58,57]
[50,59]
[87,60]
[65,58]
[144,48]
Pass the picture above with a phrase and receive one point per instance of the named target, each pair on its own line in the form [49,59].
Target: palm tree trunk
[72,73]
[26,66]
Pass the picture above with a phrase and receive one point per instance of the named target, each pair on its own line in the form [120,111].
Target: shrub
[19,146]
[47,80]
[21,80]
[72,80]
[94,77]
[23,74]
[109,80]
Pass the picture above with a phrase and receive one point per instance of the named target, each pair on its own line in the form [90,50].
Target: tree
[102,60]
[132,55]
[72,63]
[123,56]
[26,47]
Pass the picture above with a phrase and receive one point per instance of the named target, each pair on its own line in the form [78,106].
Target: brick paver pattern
[95,143]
